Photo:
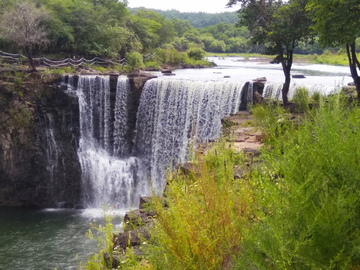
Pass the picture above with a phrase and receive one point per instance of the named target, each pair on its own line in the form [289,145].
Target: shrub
[301,98]
[316,97]
[135,60]
[152,65]
[196,53]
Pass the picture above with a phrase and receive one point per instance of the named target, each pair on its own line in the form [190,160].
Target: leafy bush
[316,97]
[301,98]
[152,65]
[196,53]
[135,60]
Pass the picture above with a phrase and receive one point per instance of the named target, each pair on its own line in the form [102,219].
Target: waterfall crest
[174,114]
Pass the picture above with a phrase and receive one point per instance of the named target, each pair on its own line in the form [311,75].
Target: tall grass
[207,215]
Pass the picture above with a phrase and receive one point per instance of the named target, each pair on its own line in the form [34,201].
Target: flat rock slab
[242,133]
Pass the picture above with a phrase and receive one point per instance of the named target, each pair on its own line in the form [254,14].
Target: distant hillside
[197,19]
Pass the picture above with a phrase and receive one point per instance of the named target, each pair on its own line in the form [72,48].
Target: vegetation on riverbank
[336,58]
[293,207]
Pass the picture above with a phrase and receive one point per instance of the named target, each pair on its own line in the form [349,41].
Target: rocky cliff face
[39,134]
[38,141]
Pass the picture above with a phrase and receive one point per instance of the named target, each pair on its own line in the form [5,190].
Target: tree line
[107,28]
[197,19]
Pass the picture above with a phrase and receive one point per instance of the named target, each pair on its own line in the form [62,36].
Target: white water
[105,178]
[173,114]
[121,146]
[52,153]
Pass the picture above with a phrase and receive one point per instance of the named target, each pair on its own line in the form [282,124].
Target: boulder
[166,71]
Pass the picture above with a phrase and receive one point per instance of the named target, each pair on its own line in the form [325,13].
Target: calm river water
[46,239]
[49,239]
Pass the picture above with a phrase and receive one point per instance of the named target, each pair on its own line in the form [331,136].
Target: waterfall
[52,154]
[106,177]
[121,144]
[273,90]
[174,114]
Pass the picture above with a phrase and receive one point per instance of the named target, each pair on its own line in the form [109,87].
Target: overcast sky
[209,6]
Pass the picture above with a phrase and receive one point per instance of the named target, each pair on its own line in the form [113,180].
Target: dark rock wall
[26,179]
[57,162]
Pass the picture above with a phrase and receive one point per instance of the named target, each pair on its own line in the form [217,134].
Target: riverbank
[327,58]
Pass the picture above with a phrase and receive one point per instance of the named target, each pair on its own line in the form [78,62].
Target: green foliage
[217,46]
[168,54]
[301,99]
[316,97]
[165,32]
[196,53]
[307,194]
[197,19]
[206,216]
[152,65]
[335,21]
[135,60]
[63,70]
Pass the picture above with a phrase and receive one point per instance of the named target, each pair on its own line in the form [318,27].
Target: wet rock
[298,76]
[166,71]
[253,151]
[137,217]
[188,168]
[131,238]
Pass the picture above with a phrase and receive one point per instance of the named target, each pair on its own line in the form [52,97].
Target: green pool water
[44,239]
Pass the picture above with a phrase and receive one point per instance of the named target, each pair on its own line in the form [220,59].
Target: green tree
[145,29]
[278,24]
[166,32]
[218,46]
[181,26]
[337,23]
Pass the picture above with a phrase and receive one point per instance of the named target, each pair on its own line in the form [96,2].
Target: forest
[108,28]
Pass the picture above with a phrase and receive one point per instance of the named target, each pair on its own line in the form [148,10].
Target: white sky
[209,6]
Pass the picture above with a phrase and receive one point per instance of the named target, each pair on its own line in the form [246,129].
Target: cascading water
[106,177]
[174,113]
[273,90]
[52,153]
[121,145]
